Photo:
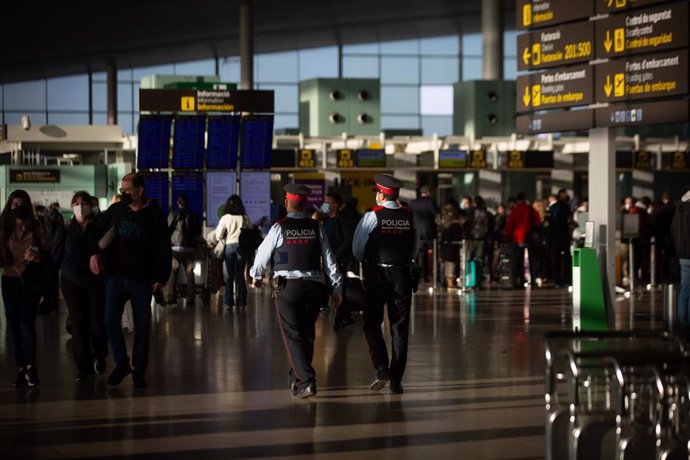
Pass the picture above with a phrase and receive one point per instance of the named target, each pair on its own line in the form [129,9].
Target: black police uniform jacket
[392,241]
[301,248]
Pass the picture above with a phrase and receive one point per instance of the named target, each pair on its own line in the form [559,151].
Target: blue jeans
[235,264]
[683,306]
[117,292]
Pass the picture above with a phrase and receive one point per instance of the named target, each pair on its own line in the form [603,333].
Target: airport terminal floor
[217,385]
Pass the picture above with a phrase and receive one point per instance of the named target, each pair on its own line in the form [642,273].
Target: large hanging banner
[255,191]
[219,187]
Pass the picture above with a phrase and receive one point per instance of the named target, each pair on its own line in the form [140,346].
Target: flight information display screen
[188,142]
[157,189]
[222,142]
[191,184]
[153,141]
[257,139]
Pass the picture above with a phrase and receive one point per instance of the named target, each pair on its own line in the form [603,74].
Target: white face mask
[81,211]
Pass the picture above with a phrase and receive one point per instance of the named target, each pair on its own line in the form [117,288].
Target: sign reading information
[540,13]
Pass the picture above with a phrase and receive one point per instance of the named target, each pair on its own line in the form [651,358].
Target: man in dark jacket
[425,212]
[131,243]
[680,229]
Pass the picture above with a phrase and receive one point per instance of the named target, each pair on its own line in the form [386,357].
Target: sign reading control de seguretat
[646,45]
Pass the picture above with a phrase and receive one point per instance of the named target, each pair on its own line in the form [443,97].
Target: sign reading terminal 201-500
[556,46]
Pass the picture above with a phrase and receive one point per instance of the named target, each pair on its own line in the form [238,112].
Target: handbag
[219,248]
[250,237]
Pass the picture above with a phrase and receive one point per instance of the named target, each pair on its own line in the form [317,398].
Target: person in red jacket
[521,220]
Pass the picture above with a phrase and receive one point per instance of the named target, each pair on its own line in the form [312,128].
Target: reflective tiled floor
[217,386]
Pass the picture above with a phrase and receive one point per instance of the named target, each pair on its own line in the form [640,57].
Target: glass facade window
[25,96]
[399,122]
[443,126]
[407,47]
[68,93]
[400,70]
[416,82]
[360,67]
[318,63]
[436,100]
[440,70]
[63,118]
[204,67]
[230,69]
[399,99]
[439,46]
[276,67]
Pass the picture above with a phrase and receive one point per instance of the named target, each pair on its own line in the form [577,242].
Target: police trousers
[297,306]
[390,286]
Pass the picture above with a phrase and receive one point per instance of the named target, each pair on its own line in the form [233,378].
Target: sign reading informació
[205,100]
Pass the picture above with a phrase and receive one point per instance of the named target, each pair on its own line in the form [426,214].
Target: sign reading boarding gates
[567,87]
[205,100]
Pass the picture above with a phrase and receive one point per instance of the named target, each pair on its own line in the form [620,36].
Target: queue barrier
[616,395]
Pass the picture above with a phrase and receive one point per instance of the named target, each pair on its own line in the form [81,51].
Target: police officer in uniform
[298,249]
[384,242]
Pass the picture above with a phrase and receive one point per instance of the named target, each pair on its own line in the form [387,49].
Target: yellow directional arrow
[526,96]
[607,86]
[526,56]
[608,42]
[610,2]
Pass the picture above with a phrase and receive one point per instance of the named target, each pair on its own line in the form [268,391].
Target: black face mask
[127,198]
[21,212]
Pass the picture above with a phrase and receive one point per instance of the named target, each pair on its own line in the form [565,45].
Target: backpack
[480,224]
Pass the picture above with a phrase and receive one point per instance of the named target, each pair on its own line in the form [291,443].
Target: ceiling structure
[49,39]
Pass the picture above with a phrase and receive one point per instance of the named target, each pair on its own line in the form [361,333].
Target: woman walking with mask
[84,292]
[23,242]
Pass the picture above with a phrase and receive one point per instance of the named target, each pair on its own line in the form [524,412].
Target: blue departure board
[192,184]
[257,139]
[153,141]
[157,189]
[188,142]
[222,142]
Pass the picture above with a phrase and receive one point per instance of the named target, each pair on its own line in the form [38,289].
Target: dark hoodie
[680,227]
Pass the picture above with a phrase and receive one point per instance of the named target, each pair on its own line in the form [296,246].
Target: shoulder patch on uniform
[377,208]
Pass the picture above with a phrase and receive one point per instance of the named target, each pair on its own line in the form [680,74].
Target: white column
[602,199]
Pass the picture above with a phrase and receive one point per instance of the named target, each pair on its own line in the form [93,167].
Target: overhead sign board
[613,6]
[371,158]
[551,122]
[307,158]
[643,160]
[453,159]
[478,159]
[559,88]
[35,176]
[644,77]
[540,13]
[643,31]
[556,46]
[189,100]
[680,160]
[345,158]
[642,113]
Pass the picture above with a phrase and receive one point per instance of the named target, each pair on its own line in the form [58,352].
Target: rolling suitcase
[504,268]
[471,274]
